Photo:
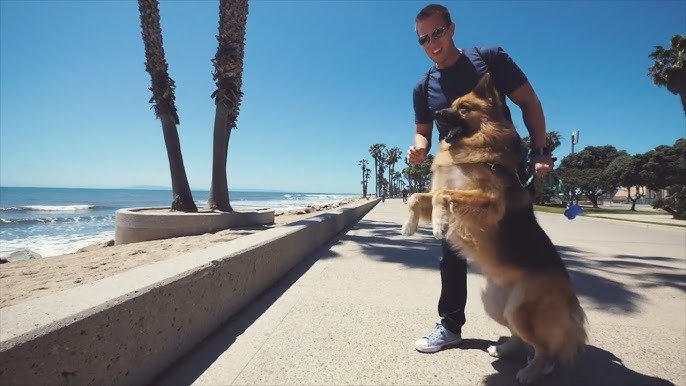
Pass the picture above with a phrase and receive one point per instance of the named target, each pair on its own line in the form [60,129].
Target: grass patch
[591,210]
[549,209]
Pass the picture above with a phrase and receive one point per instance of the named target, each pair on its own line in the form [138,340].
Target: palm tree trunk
[219,190]
[228,71]
[376,176]
[163,97]
[682,95]
[181,191]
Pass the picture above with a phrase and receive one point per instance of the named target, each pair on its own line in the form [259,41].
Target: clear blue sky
[323,81]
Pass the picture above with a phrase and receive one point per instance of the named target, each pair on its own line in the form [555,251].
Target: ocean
[55,221]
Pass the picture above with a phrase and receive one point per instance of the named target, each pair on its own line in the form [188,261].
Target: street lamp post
[575,139]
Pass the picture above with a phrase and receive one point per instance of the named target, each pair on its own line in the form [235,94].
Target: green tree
[665,168]
[228,70]
[419,175]
[625,171]
[163,102]
[669,67]
[585,171]
[376,151]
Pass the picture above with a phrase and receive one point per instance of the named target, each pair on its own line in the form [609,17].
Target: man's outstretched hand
[416,155]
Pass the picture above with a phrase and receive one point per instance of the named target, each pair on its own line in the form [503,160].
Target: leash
[550,183]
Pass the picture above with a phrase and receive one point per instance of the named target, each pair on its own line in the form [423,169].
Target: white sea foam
[47,246]
[52,208]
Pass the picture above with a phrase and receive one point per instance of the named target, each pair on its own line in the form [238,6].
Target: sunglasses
[438,32]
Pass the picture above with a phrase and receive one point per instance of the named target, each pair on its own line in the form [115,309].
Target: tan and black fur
[479,206]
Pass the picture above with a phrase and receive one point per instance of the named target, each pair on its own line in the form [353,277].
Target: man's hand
[416,155]
[543,164]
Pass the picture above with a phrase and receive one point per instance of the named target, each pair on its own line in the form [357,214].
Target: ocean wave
[51,208]
[47,246]
[49,220]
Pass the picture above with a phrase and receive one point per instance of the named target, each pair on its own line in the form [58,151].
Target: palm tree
[397,177]
[228,70]
[376,150]
[669,67]
[392,157]
[553,139]
[163,102]
[363,163]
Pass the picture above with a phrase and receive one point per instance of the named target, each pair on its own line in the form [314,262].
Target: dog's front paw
[440,230]
[409,228]
[493,351]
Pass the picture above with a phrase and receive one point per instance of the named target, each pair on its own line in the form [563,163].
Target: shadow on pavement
[595,367]
[591,276]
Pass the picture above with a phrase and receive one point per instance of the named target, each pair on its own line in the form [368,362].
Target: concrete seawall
[127,328]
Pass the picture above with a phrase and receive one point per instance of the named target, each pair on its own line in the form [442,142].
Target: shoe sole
[431,350]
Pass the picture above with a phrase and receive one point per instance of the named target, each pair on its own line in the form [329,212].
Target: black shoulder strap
[426,86]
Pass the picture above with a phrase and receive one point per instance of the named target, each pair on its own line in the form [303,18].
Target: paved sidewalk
[351,313]
[665,219]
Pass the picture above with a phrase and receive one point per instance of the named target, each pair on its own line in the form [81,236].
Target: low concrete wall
[132,225]
[127,328]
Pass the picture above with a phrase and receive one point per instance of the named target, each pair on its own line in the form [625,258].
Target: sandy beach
[23,280]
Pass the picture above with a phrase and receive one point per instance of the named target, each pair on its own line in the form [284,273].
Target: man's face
[437,49]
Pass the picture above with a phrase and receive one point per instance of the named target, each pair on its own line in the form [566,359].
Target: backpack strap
[426,86]
[483,59]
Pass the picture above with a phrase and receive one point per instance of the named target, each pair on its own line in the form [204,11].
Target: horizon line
[168,188]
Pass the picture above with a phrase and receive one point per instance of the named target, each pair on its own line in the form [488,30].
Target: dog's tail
[576,338]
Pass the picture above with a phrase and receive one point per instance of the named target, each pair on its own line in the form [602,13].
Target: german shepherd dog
[479,206]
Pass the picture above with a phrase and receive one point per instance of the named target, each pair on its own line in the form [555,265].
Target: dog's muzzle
[448,119]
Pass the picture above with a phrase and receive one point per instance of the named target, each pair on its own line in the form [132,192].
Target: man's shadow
[594,367]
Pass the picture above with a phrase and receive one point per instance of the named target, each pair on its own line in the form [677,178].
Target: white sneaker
[437,339]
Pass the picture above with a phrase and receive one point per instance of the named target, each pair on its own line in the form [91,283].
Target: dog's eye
[463,111]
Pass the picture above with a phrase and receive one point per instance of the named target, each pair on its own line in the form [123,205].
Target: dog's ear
[486,89]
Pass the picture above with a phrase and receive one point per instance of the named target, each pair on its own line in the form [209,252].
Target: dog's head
[476,121]
[466,116]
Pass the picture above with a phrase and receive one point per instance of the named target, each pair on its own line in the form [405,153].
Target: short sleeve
[420,100]
[507,76]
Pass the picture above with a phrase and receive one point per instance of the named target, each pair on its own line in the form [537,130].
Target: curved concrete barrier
[127,328]
[142,224]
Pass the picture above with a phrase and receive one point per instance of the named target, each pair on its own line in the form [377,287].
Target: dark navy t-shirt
[446,85]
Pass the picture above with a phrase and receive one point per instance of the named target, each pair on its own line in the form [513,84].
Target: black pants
[453,289]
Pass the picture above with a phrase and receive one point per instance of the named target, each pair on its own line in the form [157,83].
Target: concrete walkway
[351,313]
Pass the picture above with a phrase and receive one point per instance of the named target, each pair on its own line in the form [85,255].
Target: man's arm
[422,143]
[532,112]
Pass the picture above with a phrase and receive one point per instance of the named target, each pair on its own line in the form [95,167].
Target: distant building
[650,195]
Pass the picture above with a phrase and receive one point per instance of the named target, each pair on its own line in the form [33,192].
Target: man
[455,73]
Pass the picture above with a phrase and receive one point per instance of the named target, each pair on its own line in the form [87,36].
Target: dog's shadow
[594,367]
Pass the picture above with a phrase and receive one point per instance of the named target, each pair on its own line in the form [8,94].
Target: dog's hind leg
[420,207]
[527,320]
[535,368]
[495,298]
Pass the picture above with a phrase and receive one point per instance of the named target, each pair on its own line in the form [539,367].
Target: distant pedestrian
[384,193]
[405,193]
